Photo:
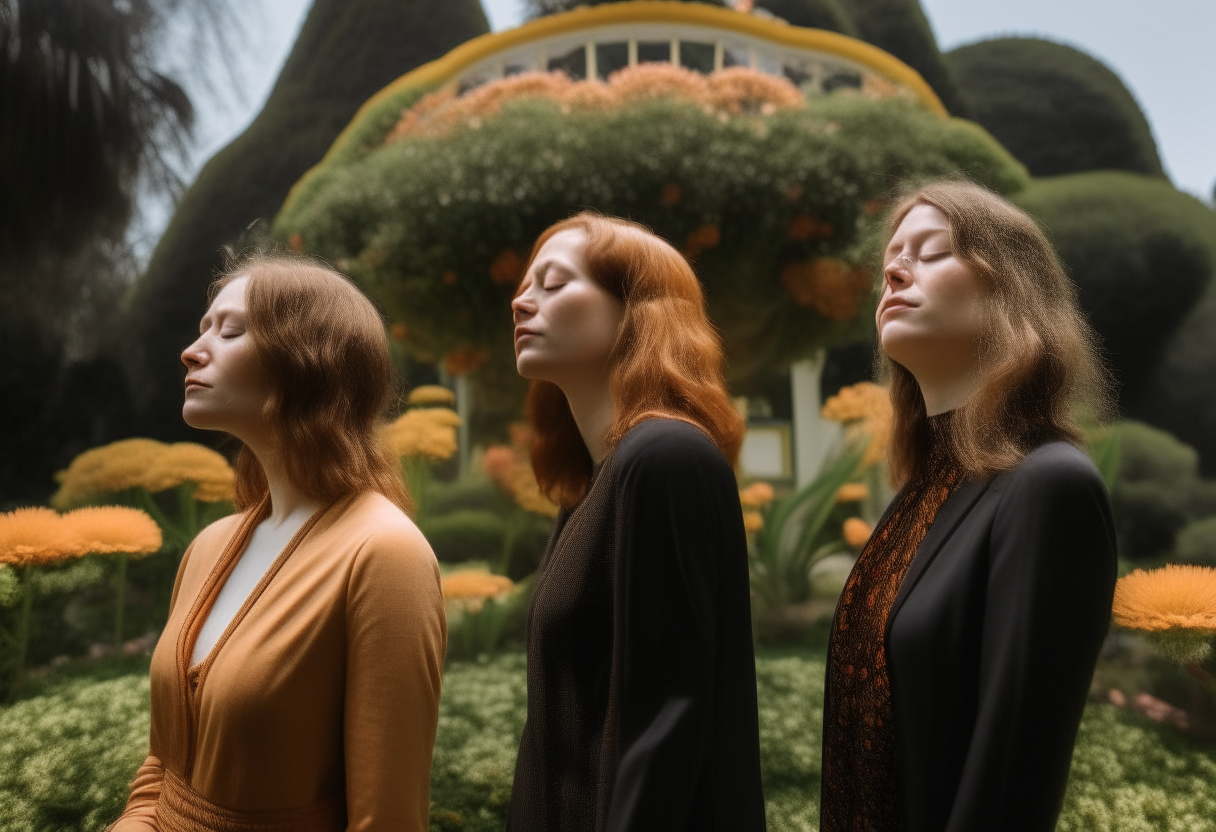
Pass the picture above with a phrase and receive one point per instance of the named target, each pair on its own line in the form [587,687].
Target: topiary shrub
[813,14]
[1057,109]
[900,27]
[1196,543]
[1141,254]
[464,535]
[774,199]
[345,52]
[1158,476]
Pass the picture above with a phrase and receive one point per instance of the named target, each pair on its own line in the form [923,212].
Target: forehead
[922,219]
[232,296]
[567,244]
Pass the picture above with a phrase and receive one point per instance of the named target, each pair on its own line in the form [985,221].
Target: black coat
[641,675]
[992,641]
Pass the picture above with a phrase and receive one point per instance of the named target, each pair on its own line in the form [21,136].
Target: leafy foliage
[346,51]
[542,8]
[1057,109]
[1196,543]
[66,755]
[1141,254]
[436,228]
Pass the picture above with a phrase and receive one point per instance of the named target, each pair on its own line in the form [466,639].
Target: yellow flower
[431,394]
[114,467]
[471,588]
[856,532]
[34,536]
[144,463]
[866,408]
[191,462]
[753,521]
[1174,605]
[852,492]
[108,530]
[425,432]
[756,495]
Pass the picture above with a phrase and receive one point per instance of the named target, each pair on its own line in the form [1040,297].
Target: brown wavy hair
[323,345]
[1040,365]
[666,362]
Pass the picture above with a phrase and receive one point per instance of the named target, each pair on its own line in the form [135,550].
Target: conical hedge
[1055,108]
[346,51]
[900,27]
[814,14]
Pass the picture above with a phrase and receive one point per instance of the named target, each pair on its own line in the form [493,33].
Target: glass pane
[654,52]
[799,73]
[697,56]
[573,63]
[609,57]
[736,57]
[514,69]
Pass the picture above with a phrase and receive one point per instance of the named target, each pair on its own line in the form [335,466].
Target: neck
[946,392]
[593,408]
[286,498]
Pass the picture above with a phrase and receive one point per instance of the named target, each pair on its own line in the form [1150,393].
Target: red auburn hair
[666,362]
[323,345]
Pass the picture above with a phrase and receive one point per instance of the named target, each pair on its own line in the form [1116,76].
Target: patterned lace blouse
[860,786]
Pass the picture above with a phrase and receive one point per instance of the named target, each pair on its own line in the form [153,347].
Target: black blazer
[992,641]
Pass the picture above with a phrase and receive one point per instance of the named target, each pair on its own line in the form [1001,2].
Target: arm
[139,815]
[1051,580]
[677,502]
[396,639]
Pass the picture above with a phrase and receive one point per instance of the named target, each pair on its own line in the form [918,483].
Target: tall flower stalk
[421,436]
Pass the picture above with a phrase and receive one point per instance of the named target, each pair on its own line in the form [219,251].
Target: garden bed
[68,749]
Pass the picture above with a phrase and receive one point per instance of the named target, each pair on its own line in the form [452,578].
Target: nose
[897,273]
[523,307]
[193,356]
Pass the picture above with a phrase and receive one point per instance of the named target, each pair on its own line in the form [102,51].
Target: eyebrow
[920,237]
[220,314]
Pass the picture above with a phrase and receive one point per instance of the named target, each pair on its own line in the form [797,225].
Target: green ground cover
[68,749]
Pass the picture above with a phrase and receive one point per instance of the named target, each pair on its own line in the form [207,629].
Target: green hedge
[346,51]
[1158,479]
[1196,543]
[1057,109]
[1141,253]
[813,14]
[419,222]
[66,755]
[900,27]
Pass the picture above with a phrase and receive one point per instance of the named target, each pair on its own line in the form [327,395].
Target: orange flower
[753,521]
[296,241]
[706,236]
[671,195]
[856,532]
[427,395]
[470,588]
[737,90]
[398,331]
[449,278]
[805,227]
[866,408]
[34,536]
[108,530]
[510,470]
[756,495]
[836,287]
[1174,605]
[852,492]
[507,268]
[190,462]
[659,80]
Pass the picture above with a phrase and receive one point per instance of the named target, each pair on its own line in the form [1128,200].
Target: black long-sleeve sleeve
[681,578]
[1047,607]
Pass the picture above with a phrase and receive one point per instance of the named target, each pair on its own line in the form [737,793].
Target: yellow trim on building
[469,53]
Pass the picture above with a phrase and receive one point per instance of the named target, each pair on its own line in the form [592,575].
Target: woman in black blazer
[964,642]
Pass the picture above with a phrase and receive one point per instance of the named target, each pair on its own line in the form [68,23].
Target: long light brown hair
[324,348]
[1041,373]
[666,361]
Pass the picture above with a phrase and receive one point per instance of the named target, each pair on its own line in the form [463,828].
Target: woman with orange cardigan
[296,683]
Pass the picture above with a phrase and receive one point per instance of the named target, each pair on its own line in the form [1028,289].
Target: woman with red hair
[641,674]
[296,683]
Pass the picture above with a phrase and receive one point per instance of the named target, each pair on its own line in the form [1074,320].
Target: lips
[193,382]
[896,303]
[521,331]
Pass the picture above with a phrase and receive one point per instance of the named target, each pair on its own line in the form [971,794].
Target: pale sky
[1162,50]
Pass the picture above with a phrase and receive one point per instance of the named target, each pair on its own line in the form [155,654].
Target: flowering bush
[773,195]
[66,756]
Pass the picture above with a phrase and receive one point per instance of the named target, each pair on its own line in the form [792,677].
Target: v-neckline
[191,676]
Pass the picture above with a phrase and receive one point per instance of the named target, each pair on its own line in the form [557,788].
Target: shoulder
[1055,476]
[657,445]
[383,533]
[208,543]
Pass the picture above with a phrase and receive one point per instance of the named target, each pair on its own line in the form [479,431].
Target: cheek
[586,323]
